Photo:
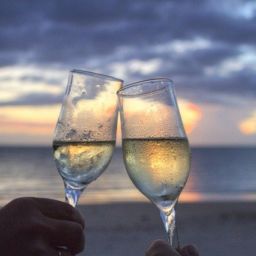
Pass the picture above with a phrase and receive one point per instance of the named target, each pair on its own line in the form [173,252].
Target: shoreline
[132,196]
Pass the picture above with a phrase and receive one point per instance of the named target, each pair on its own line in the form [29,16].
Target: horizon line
[120,146]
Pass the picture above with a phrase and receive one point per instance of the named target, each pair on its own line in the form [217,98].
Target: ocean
[216,174]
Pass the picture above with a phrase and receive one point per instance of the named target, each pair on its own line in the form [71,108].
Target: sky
[208,48]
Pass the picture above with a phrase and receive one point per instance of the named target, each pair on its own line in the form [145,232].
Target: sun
[248,125]
[191,114]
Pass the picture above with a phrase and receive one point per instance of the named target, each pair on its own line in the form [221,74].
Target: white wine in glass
[155,147]
[85,133]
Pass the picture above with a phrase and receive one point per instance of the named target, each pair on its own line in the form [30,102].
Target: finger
[161,248]
[66,234]
[55,252]
[62,252]
[189,250]
[58,210]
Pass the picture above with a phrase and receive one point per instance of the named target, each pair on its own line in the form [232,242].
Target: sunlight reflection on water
[216,175]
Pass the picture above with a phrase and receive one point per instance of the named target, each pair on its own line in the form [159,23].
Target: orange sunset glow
[248,125]
[190,113]
[36,120]
[41,120]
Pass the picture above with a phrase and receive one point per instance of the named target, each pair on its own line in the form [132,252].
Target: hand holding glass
[155,148]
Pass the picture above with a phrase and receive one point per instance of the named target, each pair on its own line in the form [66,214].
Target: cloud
[189,41]
[55,32]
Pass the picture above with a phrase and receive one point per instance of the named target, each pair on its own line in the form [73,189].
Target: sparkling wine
[79,163]
[158,167]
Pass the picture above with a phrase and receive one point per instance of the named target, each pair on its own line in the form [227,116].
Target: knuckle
[20,201]
[36,228]
[46,230]
[23,204]
[73,213]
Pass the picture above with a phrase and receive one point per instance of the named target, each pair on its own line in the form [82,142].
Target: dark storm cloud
[218,89]
[80,33]
[61,31]
[212,56]
[194,62]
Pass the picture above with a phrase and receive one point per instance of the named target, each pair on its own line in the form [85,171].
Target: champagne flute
[85,133]
[155,147]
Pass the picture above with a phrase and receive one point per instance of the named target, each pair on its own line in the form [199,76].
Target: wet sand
[224,228]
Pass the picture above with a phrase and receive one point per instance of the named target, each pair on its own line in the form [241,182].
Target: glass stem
[168,219]
[72,195]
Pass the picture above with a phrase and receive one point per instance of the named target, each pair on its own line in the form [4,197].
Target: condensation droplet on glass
[86,135]
[71,134]
[60,125]
[75,100]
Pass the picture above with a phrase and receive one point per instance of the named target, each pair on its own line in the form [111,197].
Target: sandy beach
[221,228]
